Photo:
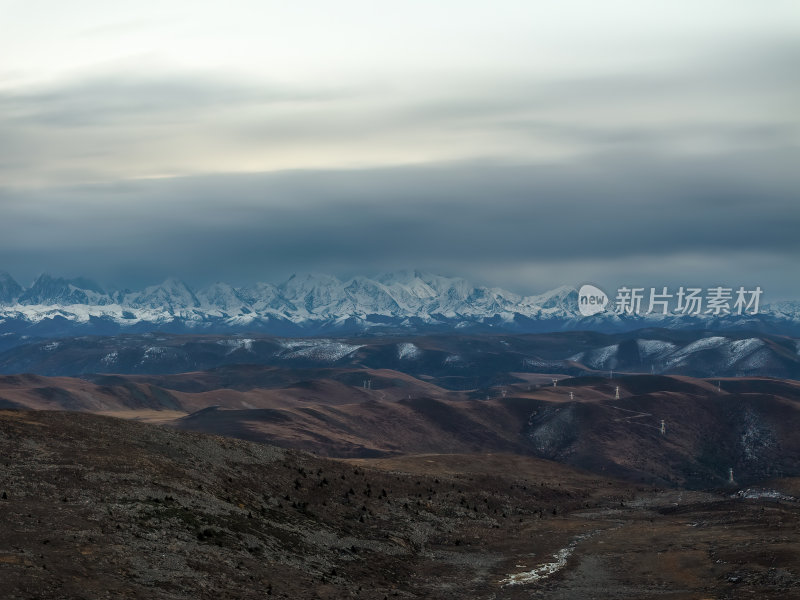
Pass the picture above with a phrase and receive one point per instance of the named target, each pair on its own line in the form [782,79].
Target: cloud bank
[522,144]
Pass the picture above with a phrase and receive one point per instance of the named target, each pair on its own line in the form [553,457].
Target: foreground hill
[95,507]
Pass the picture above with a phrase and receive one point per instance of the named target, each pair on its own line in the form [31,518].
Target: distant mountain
[172,296]
[313,304]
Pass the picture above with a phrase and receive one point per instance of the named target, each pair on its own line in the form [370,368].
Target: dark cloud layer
[717,219]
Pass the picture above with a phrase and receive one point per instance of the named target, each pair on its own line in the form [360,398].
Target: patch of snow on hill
[322,350]
[245,344]
[543,571]
[756,436]
[681,356]
[538,363]
[762,493]
[603,358]
[754,362]
[704,344]
[408,351]
[740,348]
[154,353]
[747,353]
[654,348]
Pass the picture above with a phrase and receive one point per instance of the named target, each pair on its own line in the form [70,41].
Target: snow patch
[755,362]
[543,571]
[704,344]
[756,436]
[233,345]
[408,351]
[741,349]
[603,358]
[320,350]
[654,348]
[546,569]
[538,363]
[154,353]
[679,357]
[759,493]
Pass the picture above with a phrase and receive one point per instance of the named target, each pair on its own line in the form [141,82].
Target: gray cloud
[118,99]
[653,174]
[658,218]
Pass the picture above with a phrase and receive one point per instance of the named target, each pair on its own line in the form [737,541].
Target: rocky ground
[97,507]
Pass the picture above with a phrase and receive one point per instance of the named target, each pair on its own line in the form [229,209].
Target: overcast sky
[522,144]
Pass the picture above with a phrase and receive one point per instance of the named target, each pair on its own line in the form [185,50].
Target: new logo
[591,300]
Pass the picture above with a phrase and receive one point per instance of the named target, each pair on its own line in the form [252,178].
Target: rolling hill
[711,426]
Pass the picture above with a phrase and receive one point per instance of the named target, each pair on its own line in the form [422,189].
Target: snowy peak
[409,289]
[263,297]
[371,297]
[316,294]
[787,309]
[558,298]
[425,294]
[57,290]
[222,297]
[314,303]
[560,303]
[172,295]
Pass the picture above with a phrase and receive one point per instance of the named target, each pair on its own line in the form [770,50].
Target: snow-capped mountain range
[312,304]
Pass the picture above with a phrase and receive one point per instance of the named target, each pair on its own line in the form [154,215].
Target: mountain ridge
[312,304]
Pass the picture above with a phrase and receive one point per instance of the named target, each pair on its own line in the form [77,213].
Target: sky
[520,144]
